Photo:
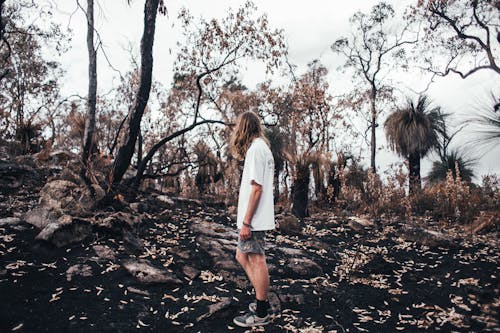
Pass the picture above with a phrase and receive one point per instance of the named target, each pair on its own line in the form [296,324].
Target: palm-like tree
[486,123]
[452,161]
[412,131]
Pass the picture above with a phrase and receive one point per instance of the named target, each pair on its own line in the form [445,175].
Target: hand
[245,233]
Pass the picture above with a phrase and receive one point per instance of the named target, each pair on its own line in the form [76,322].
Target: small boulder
[292,298]
[226,264]
[9,221]
[40,217]
[426,237]
[190,272]
[69,197]
[166,199]
[219,308]
[304,267]
[104,252]
[486,221]
[146,273]
[289,225]
[79,269]
[63,234]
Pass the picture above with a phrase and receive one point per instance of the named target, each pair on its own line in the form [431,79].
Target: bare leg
[260,275]
[245,263]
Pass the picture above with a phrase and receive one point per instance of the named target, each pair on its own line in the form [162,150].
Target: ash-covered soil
[337,274]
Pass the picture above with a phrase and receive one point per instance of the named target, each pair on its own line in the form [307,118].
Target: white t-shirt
[259,167]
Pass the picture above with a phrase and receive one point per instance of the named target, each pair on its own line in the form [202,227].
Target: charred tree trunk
[373,127]
[3,40]
[300,191]
[88,138]
[414,166]
[319,186]
[139,150]
[333,184]
[125,152]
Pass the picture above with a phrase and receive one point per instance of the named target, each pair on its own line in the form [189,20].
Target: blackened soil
[373,281]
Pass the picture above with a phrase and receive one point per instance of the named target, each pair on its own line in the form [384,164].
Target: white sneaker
[250,319]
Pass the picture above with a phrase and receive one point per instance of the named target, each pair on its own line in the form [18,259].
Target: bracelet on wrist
[247,225]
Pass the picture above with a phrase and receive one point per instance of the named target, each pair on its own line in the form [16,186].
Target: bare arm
[255,194]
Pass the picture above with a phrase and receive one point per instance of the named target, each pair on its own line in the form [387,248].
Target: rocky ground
[167,265]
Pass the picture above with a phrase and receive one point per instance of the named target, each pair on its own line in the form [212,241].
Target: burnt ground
[341,278]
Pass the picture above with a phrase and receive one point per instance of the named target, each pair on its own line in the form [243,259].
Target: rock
[136,207]
[62,157]
[166,200]
[70,175]
[118,219]
[104,252]
[138,291]
[217,308]
[146,273]
[58,195]
[274,301]
[63,234]
[190,272]
[227,264]
[40,217]
[26,161]
[9,221]
[355,226]
[188,201]
[290,251]
[318,245]
[66,196]
[132,241]
[15,169]
[425,237]
[486,221]
[359,223]
[65,219]
[79,269]
[289,225]
[183,254]
[304,267]
[362,221]
[214,230]
[291,298]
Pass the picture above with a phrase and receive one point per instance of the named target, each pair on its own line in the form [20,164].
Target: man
[255,212]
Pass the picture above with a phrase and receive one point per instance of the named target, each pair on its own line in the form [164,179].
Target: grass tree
[454,161]
[486,124]
[412,131]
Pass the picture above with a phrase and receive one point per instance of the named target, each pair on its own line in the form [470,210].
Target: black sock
[262,307]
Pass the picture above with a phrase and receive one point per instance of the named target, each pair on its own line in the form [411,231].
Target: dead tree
[126,150]
[88,141]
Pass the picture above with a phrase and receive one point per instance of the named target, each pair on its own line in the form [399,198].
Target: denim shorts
[255,244]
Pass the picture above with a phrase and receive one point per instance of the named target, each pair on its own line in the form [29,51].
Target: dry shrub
[374,193]
[351,189]
[365,192]
[453,199]
[389,198]
[490,191]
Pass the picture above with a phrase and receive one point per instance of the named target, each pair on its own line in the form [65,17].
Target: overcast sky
[310,28]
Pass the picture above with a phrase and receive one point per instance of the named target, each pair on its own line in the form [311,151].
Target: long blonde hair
[248,127]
